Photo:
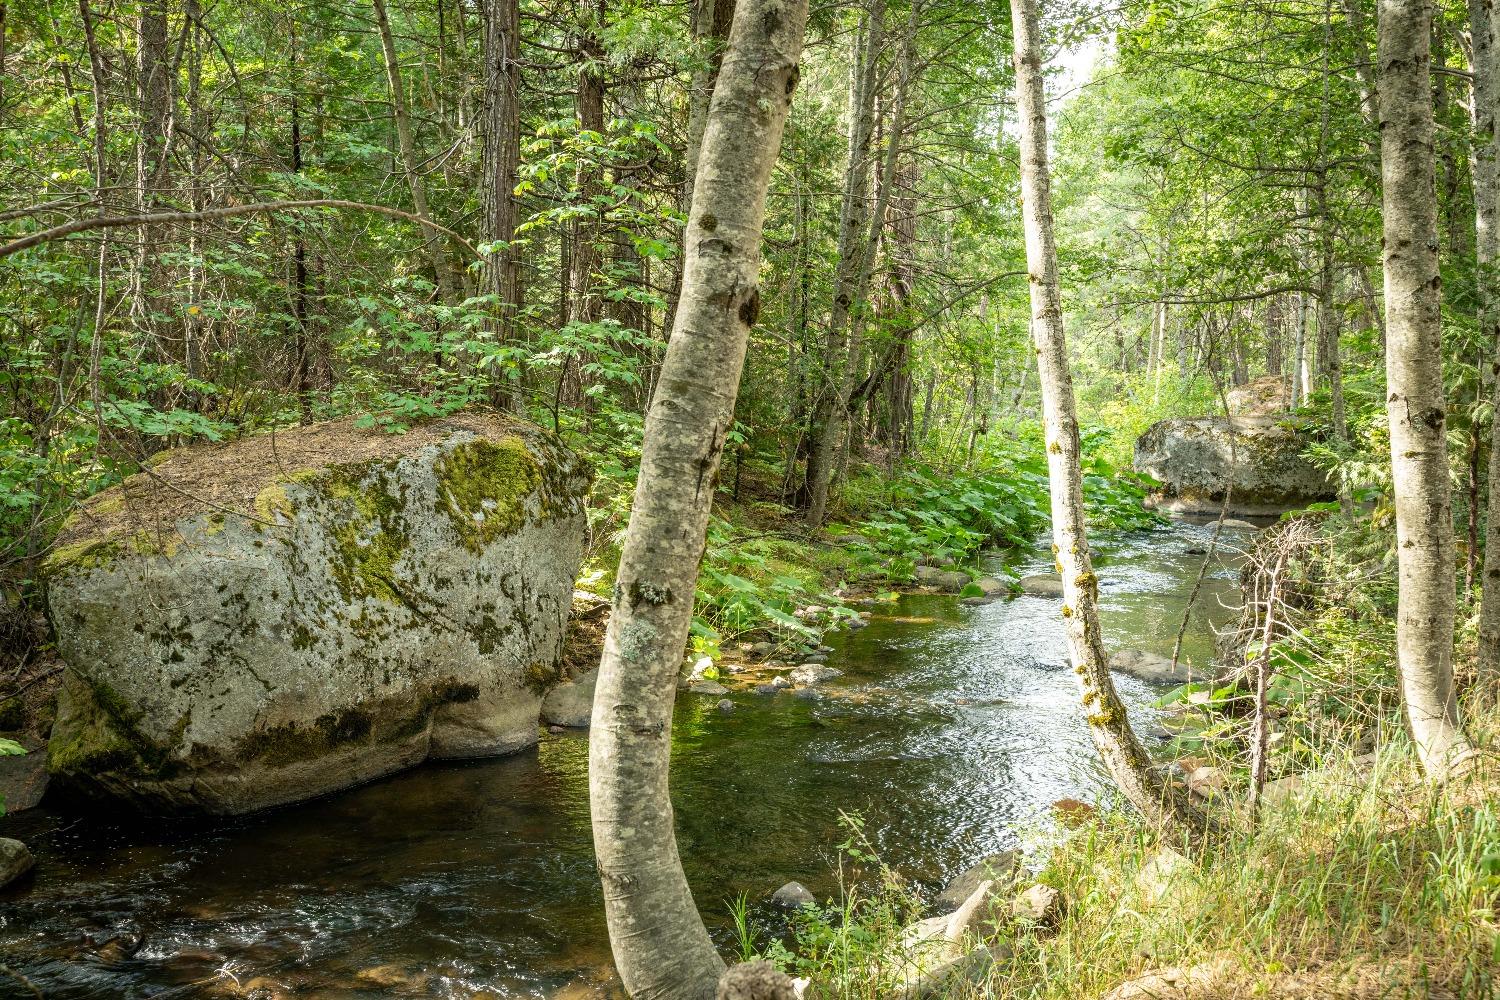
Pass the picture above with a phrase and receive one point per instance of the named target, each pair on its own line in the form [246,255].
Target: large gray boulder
[1258,458]
[262,622]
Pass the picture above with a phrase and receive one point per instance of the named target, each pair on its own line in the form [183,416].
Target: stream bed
[953,728]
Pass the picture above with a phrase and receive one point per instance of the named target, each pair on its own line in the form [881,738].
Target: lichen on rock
[261,622]
[1258,460]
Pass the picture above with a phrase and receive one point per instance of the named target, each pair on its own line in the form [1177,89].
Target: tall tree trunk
[302,332]
[98,72]
[710,27]
[154,111]
[1328,326]
[1364,66]
[409,166]
[193,329]
[500,127]
[1273,337]
[1486,172]
[1414,388]
[661,947]
[847,349]
[582,299]
[589,105]
[1301,366]
[1126,761]
[4,11]
[852,242]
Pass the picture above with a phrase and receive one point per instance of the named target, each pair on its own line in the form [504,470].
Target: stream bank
[952,730]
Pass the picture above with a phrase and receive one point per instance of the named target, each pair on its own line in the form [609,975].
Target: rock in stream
[262,622]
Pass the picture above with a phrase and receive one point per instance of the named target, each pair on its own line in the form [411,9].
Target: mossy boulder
[262,622]
[1258,459]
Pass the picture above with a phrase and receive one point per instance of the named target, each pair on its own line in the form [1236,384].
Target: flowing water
[953,728]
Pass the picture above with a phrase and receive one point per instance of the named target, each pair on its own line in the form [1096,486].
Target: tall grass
[1365,883]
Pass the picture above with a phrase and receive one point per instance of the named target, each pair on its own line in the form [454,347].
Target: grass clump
[1365,882]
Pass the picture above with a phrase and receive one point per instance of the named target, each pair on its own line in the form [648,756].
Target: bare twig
[226,212]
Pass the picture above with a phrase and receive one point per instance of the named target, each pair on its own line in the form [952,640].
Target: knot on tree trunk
[755,981]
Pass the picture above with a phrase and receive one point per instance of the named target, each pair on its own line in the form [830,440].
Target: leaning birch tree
[1165,804]
[1415,404]
[661,947]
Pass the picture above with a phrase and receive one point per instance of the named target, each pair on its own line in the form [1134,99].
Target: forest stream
[953,730]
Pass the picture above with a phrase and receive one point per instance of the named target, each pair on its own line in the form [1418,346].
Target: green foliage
[748,583]
[846,947]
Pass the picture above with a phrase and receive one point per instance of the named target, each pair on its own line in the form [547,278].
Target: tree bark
[710,27]
[1364,67]
[1301,368]
[193,329]
[852,243]
[154,128]
[302,331]
[409,166]
[589,105]
[1273,337]
[1160,802]
[4,11]
[661,947]
[500,127]
[1486,170]
[1414,387]
[844,355]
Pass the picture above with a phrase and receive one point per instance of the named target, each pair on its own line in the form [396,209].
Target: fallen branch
[39,677]
[228,212]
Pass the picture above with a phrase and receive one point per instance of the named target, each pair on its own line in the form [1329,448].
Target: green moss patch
[483,487]
[101,733]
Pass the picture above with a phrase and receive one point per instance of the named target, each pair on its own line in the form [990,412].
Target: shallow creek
[952,729]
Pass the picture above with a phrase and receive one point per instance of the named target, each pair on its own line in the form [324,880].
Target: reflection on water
[950,729]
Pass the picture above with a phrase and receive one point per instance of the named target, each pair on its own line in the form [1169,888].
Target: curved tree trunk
[1414,387]
[1164,804]
[660,945]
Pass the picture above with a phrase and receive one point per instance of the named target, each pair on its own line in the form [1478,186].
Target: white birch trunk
[661,947]
[1486,174]
[1414,387]
[1162,803]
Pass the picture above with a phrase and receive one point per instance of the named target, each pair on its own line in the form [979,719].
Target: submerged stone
[793,895]
[571,703]
[949,580]
[258,623]
[1152,667]
[1041,585]
[814,673]
[15,860]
